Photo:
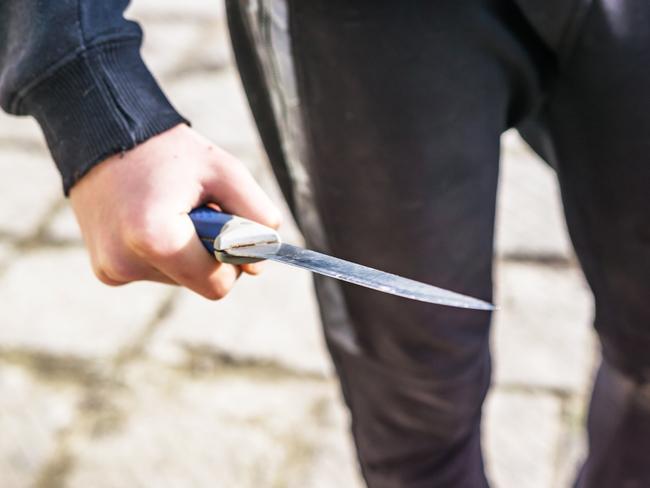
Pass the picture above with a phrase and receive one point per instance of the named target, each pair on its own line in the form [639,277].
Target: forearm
[75,66]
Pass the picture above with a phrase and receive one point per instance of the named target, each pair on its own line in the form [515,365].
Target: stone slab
[21,132]
[192,10]
[271,317]
[521,437]
[216,105]
[51,301]
[63,227]
[336,462]
[572,448]
[220,430]
[174,49]
[31,417]
[30,185]
[6,251]
[543,335]
[530,218]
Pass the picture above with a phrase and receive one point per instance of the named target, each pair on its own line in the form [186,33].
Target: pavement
[150,386]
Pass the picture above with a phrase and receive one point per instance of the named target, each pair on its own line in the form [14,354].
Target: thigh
[389,117]
[599,121]
[402,157]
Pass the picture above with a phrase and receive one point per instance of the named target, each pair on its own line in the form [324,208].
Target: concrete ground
[151,386]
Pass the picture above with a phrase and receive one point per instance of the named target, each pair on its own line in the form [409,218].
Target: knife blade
[237,241]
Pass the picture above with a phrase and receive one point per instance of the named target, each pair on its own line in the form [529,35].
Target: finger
[232,186]
[253,268]
[155,276]
[151,274]
[177,253]
[130,270]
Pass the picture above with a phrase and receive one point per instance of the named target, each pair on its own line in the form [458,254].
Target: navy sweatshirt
[75,66]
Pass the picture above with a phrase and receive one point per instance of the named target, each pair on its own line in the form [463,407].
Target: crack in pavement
[549,260]
[98,413]
[207,360]
[136,348]
[57,368]
[554,391]
[572,428]
[101,410]
[55,472]
[39,237]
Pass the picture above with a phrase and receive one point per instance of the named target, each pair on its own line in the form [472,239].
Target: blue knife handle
[208,224]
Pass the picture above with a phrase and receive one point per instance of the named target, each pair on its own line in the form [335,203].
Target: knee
[439,406]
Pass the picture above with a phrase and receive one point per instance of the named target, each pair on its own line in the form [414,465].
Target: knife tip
[486,306]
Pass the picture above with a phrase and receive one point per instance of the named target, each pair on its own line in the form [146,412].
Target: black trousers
[382,121]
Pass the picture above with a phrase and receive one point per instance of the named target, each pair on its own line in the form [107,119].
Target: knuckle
[236,170]
[143,240]
[113,270]
[144,245]
[121,272]
[213,295]
[216,292]
[236,165]
[243,170]
[274,219]
[104,277]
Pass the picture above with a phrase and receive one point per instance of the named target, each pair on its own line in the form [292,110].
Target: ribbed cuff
[103,102]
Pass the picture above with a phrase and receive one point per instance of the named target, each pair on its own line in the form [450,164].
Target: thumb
[178,253]
[231,185]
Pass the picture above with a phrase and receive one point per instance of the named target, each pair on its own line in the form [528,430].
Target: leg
[392,137]
[598,120]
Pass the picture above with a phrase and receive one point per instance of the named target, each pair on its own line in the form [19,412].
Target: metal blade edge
[361,275]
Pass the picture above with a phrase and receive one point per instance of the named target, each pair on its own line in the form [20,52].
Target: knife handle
[208,224]
[222,233]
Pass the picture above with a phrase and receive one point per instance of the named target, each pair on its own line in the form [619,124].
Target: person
[381,120]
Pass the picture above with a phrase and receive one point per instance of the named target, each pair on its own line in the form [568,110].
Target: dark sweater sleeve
[75,66]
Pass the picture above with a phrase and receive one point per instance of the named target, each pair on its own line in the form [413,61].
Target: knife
[235,240]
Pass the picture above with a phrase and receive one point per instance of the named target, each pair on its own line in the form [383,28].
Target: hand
[132,210]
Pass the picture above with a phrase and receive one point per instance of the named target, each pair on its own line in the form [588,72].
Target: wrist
[101,103]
